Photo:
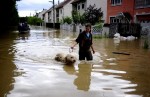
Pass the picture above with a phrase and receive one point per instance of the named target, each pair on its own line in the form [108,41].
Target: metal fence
[125,29]
[97,30]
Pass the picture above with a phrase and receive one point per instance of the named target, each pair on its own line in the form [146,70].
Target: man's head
[88,27]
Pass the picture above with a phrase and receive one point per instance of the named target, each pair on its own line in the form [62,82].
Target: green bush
[146,45]
[67,20]
[34,20]
[98,25]
[75,16]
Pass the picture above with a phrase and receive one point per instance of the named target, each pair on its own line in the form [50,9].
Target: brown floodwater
[28,68]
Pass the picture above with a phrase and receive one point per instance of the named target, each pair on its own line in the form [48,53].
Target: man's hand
[72,47]
[93,52]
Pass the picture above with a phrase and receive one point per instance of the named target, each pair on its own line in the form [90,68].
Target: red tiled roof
[62,4]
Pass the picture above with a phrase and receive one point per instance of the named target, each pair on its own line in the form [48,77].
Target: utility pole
[53,14]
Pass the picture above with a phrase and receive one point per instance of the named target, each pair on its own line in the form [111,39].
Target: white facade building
[64,9]
[41,14]
[82,5]
[49,16]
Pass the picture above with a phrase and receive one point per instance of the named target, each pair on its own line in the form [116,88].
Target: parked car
[23,27]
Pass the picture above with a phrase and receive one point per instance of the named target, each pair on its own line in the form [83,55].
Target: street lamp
[53,13]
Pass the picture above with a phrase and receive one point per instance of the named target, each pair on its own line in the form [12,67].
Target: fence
[145,31]
[50,25]
[79,28]
[125,29]
[97,29]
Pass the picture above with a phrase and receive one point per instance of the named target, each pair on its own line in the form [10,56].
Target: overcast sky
[29,7]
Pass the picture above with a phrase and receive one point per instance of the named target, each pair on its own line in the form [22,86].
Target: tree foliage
[34,20]
[9,14]
[92,14]
[67,20]
[75,16]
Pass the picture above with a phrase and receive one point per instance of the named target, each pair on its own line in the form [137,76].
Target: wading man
[85,44]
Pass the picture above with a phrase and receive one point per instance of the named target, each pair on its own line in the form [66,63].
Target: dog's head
[59,57]
[70,59]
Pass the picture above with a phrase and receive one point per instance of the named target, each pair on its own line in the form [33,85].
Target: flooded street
[28,68]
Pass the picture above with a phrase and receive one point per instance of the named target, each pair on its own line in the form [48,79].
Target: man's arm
[77,40]
[92,49]
[74,45]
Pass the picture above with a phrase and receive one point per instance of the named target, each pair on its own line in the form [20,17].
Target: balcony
[142,3]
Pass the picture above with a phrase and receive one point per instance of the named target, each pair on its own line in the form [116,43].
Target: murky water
[28,68]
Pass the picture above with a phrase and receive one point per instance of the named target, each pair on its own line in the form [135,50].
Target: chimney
[58,1]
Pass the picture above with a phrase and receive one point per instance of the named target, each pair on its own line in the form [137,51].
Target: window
[43,16]
[114,20]
[82,6]
[78,7]
[48,15]
[142,3]
[116,2]
[61,11]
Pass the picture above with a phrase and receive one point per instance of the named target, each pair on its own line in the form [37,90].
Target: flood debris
[123,53]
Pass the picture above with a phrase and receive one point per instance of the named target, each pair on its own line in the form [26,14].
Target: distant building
[142,12]
[82,5]
[41,14]
[133,11]
[49,15]
[63,10]
[79,5]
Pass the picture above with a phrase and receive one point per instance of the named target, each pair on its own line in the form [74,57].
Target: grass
[97,36]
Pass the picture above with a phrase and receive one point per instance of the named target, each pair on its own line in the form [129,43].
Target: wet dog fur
[67,59]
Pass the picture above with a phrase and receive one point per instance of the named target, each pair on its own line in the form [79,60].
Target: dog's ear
[65,60]
[56,58]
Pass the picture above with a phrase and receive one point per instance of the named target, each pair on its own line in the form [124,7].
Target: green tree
[67,20]
[34,20]
[82,19]
[9,14]
[92,14]
[75,16]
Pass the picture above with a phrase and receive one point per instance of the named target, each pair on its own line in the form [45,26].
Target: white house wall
[66,11]
[40,15]
[81,10]
[52,18]
[46,17]
[61,14]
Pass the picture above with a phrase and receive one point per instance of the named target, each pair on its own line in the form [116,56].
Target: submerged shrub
[146,45]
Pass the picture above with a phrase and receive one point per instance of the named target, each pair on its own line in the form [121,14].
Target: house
[132,14]
[82,5]
[49,16]
[41,14]
[142,12]
[132,11]
[79,5]
[63,10]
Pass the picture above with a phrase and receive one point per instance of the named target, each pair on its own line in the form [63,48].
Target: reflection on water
[83,77]
[23,36]
[28,68]
[7,66]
